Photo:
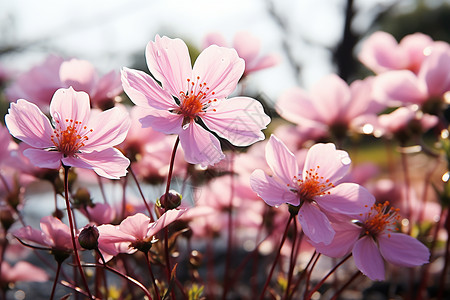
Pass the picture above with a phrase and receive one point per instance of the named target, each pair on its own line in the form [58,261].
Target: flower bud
[88,237]
[170,200]
[82,197]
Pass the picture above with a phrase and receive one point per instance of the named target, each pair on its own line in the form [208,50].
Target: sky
[109,32]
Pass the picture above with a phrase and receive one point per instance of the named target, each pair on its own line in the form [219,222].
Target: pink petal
[27,123]
[346,198]
[162,121]
[281,161]
[403,250]
[315,224]
[80,74]
[33,235]
[136,226]
[398,88]
[71,105]
[380,53]
[331,91]
[368,259]
[214,38]
[44,158]
[296,105]
[109,163]
[24,271]
[144,91]
[434,72]
[110,128]
[264,62]
[333,164]
[166,219]
[57,231]
[246,45]
[168,60]
[272,192]
[239,120]
[107,87]
[200,146]
[345,238]
[220,68]
[413,45]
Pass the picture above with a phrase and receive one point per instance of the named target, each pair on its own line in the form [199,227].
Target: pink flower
[381,52]
[372,237]
[248,47]
[311,110]
[132,234]
[427,88]
[40,83]
[81,137]
[317,190]
[53,234]
[22,271]
[190,94]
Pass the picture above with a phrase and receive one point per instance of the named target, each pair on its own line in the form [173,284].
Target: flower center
[312,185]
[69,140]
[381,217]
[193,102]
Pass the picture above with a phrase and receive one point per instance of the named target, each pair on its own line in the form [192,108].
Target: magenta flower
[191,94]
[248,48]
[381,52]
[40,83]
[80,137]
[372,237]
[132,234]
[317,189]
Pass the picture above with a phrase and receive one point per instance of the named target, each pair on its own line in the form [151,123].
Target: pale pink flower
[132,234]
[427,88]
[54,234]
[381,52]
[318,189]
[80,137]
[22,271]
[190,94]
[247,47]
[330,106]
[40,83]
[372,237]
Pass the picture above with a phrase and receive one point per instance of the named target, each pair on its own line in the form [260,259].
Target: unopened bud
[88,237]
[6,218]
[170,200]
[82,197]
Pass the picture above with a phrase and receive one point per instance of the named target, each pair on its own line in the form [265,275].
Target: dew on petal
[445,177]
[346,160]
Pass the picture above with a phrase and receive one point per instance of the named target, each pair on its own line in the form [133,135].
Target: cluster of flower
[184,118]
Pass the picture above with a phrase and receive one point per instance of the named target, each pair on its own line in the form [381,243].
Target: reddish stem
[72,229]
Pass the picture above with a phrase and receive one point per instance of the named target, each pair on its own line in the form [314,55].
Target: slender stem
[300,278]
[276,257]
[172,161]
[426,267]
[407,186]
[335,297]
[326,276]
[102,189]
[446,263]
[229,235]
[308,277]
[5,183]
[152,276]
[58,269]
[141,193]
[292,261]
[124,197]
[72,229]
[166,230]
